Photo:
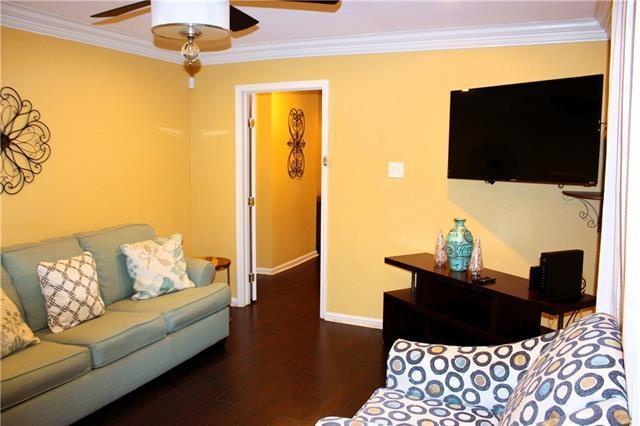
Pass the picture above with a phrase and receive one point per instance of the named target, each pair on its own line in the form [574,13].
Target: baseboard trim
[288,265]
[234,302]
[353,320]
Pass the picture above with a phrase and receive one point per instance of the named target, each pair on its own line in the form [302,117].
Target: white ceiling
[304,25]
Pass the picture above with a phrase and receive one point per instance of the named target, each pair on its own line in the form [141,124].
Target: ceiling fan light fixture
[205,19]
[190,51]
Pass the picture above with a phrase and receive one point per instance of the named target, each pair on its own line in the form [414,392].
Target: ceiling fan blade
[238,20]
[122,9]
[330,2]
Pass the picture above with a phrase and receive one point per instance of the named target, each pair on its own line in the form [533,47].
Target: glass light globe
[190,51]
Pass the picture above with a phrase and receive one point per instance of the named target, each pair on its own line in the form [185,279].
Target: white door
[251,190]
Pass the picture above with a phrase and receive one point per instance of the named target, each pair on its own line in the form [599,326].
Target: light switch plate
[396,170]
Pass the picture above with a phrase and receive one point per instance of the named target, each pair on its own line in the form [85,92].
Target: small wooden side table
[220,263]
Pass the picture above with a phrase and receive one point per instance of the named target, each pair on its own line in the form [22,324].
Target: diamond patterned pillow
[16,334]
[157,266]
[71,292]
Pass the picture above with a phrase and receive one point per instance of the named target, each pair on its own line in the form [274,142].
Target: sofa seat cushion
[40,368]
[183,307]
[390,407]
[112,336]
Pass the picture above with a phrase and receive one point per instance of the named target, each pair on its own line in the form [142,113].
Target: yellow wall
[119,139]
[285,207]
[264,230]
[394,107]
[130,143]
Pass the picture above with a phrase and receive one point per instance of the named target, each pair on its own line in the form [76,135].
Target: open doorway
[281,181]
[288,142]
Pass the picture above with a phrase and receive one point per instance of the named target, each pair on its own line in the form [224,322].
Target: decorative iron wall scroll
[295,162]
[25,141]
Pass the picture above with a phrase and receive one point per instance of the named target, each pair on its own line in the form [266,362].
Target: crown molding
[21,17]
[603,14]
[550,32]
[15,15]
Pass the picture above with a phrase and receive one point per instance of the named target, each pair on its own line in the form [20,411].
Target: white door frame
[243,92]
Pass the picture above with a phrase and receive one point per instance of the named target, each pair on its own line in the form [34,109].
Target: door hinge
[251,123]
[251,201]
[252,277]
[325,161]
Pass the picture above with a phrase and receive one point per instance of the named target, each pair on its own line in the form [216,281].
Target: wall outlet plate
[395,170]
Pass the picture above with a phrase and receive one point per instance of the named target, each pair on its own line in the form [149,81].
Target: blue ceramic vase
[459,246]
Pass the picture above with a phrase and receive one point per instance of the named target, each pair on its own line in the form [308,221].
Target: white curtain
[619,266]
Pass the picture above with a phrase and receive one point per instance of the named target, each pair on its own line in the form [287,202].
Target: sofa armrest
[341,421]
[200,271]
[468,375]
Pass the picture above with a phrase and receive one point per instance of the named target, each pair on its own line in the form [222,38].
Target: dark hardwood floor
[281,365]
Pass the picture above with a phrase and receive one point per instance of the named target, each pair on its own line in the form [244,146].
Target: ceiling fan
[191,19]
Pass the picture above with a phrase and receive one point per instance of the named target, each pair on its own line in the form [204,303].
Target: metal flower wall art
[295,162]
[25,141]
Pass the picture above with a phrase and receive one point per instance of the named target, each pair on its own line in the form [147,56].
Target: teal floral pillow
[157,266]
[16,334]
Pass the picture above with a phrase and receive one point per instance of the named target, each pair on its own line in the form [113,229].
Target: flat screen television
[541,132]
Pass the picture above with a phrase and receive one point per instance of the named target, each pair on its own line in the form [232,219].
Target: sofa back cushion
[113,277]
[583,365]
[21,262]
[10,290]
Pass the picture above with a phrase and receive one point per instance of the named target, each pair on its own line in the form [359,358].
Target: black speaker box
[560,275]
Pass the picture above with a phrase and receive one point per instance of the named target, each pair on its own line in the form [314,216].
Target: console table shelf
[447,307]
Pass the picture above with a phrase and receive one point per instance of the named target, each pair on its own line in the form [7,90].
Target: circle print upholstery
[519,360]
[397,365]
[440,412]
[581,368]
[417,409]
[414,356]
[471,396]
[569,369]
[417,375]
[585,350]
[439,364]
[454,381]
[545,389]
[436,349]
[502,392]
[435,388]
[554,366]
[499,371]
[617,414]
[588,384]
[480,380]
[562,392]
[415,393]
[529,413]
[504,351]
[482,358]
[401,346]
[460,363]
[587,416]
[600,361]
[400,416]
[393,404]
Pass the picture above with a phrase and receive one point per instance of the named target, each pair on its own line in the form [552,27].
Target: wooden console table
[447,307]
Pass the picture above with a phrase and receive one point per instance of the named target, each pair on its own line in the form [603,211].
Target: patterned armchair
[571,377]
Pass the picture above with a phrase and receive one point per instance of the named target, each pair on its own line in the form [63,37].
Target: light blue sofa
[73,373]
[572,377]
